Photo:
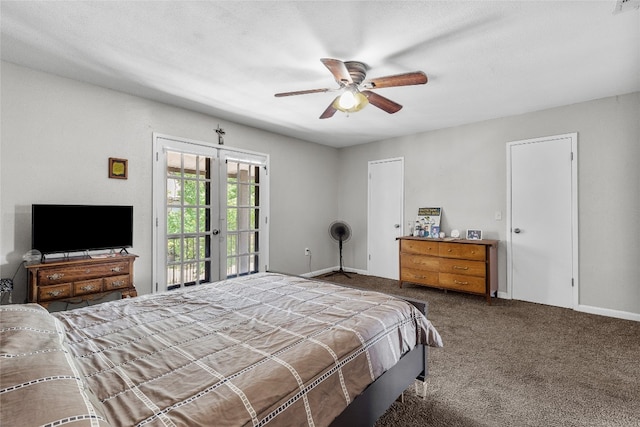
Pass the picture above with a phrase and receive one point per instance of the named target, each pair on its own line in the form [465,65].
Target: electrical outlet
[307,251]
[498,216]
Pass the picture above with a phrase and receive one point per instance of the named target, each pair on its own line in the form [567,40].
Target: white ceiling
[484,59]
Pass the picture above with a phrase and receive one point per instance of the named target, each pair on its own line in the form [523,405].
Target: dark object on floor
[340,232]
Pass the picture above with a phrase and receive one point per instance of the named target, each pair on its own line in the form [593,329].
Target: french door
[210,213]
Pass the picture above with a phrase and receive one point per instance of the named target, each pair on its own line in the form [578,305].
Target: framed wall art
[118,168]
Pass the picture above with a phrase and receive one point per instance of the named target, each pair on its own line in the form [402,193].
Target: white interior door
[385,217]
[542,220]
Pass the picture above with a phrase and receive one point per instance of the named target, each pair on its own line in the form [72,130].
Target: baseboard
[317,272]
[332,269]
[626,315]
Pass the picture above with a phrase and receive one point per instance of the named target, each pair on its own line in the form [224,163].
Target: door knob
[516,230]
[215,231]
[396,225]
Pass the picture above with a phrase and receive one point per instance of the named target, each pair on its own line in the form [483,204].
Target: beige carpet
[519,364]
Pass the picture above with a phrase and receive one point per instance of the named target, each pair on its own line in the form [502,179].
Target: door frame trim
[575,268]
[369,228]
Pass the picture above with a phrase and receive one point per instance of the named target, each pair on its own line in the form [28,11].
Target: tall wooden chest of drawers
[74,280]
[461,265]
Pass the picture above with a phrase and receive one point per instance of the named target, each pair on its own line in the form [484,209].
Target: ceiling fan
[350,75]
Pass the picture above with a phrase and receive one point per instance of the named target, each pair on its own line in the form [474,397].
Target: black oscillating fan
[341,232]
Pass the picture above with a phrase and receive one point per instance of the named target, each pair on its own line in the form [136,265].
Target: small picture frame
[118,168]
[474,234]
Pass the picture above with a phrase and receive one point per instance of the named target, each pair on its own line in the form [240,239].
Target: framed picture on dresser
[473,234]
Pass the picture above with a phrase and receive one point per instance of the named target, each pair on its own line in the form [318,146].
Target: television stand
[79,279]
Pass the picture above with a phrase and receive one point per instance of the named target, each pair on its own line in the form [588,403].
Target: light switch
[498,216]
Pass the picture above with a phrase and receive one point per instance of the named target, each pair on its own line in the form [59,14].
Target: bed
[265,349]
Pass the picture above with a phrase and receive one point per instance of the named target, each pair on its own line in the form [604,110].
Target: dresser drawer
[48,293]
[419,276]
[51,276]
[463,266]
[423,247]
[463,283]
[87,287]
[116,282]
[420,262]
[114,268]
[463,251]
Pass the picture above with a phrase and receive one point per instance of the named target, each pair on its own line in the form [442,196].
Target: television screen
[75,228]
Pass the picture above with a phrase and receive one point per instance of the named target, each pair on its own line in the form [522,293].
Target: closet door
[385,216]
[542,220]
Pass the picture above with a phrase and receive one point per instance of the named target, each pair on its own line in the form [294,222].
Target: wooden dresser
[461,265]
[74,280]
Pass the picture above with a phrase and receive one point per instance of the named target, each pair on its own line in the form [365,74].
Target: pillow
[40,384]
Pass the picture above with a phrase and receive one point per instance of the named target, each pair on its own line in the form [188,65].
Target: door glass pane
[232,219]
[203,194]
[174,194]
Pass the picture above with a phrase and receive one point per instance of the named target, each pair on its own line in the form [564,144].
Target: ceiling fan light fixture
[351,101]
[347,100]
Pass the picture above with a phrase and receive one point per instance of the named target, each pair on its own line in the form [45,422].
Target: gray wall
[57,135]
[463,169]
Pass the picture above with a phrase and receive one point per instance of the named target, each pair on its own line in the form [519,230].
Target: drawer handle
[449,250]
[54,293]
[55,276]
[117,283]
[116,269]
[457,267]
[87,288]
[460,283]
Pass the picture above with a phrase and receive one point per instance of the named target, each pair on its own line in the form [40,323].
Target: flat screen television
[76,228]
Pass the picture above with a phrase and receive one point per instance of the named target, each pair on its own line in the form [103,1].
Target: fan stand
[340,271]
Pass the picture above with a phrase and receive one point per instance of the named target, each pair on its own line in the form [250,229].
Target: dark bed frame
[374,401]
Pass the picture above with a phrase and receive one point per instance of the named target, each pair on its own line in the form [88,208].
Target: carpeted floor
[518,364]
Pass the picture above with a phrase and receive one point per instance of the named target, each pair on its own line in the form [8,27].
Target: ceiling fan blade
[381,102]
[339,70]
[330,111]
[301,92]
[407,79]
